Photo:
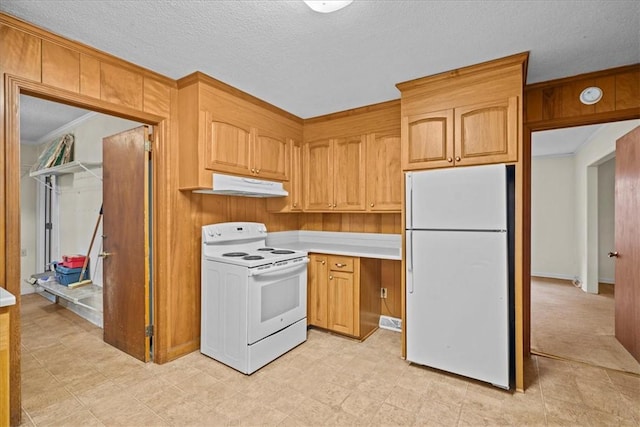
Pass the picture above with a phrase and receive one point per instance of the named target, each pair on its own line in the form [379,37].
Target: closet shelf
[88,296]
[67,168]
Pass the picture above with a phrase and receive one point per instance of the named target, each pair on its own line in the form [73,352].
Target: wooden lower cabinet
[4,367]
[344,294]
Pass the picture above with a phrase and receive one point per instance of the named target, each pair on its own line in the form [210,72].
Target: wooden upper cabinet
[271,156]
[227,146]
[487,132]
[293,202]
[334,174]
[384,174]
[468,116]
[225,130]
[349,173]
[318,175]
[428,140]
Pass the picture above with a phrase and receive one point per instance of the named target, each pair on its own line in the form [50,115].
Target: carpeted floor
[569,323]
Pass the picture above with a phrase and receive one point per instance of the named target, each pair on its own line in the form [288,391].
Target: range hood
[230,185]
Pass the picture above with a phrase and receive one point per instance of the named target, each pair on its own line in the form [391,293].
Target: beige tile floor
[71,378]
[575,325]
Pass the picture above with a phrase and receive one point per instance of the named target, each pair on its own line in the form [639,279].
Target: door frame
[528,129]
[13,88]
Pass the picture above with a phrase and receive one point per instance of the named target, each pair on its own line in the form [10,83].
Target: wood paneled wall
[556,103]
[38,63]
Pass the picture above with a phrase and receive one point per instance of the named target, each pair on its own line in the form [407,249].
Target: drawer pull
[340,265]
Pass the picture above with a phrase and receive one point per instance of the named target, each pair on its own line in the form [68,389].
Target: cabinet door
[427,140]
[226,146]
[384,175]
[341,302]
[318,175]
[318,273]
[293,202]
[349,173]
[487,133]
[271,156]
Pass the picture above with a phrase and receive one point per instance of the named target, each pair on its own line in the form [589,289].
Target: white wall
[553,243]
[600,148]
[606,220]
[28,191]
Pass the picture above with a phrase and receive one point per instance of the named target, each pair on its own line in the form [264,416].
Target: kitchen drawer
[341,263]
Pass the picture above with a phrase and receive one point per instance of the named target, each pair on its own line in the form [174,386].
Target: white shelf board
[67,168]
[88,296]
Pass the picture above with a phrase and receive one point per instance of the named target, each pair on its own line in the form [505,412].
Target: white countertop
[6,298]
[366,245]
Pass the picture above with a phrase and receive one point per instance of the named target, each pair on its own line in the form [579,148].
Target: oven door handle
[279,268]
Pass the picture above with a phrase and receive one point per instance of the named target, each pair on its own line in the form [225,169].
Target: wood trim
[571,79]
[381,106]
[199,77]
[554,104]
[45,35]
[519,59]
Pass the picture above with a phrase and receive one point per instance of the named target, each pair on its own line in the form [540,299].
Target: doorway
[572,301]
[61,201]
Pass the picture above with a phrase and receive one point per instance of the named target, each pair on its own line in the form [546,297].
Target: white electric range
[254,298]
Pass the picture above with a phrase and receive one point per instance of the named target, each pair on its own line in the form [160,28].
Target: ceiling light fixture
[327,6]
[591,95]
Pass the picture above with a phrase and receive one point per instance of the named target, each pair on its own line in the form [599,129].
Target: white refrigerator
[459,271]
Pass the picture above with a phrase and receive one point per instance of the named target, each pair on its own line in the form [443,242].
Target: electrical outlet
[23,252]
[383,292]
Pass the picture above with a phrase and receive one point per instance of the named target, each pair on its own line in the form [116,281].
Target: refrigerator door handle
[410,261]
[409,201]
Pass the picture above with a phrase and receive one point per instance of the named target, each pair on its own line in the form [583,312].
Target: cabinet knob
[330,277]
[253,170]
[324,262]
[330,205]
[457,158]
[295,205]
[371,205]
[257,170]
[449,159]
[334,205]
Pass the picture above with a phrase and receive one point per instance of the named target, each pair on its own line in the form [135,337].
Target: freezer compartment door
[457,312]
[470,198]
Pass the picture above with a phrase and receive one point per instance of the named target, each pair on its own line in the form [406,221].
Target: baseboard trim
[553,276]
[607,281]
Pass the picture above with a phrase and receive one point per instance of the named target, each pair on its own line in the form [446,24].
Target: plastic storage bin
[65,276]
[73,261]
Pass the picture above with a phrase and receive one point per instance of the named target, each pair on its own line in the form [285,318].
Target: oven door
[277,299]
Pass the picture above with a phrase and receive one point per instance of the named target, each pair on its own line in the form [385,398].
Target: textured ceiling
[38,118]
[311,64]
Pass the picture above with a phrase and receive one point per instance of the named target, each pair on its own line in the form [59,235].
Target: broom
[81,282]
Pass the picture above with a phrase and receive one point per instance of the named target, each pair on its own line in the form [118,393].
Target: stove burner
[265,249]
[252,257]
[235,254]
[282,252]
